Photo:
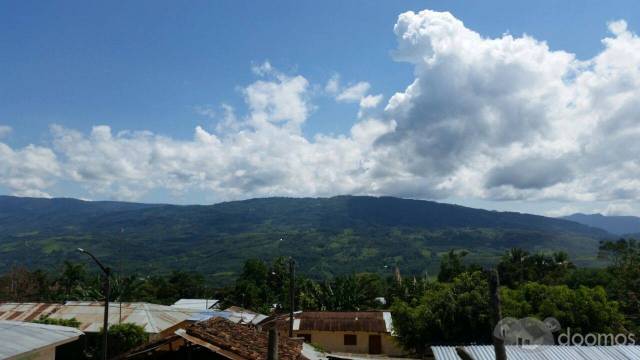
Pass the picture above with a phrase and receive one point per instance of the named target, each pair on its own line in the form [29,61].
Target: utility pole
[107,289]
[292,285]
[272,350]
[494,288]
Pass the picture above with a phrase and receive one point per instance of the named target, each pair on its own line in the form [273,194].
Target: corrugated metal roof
[208,314]
[26,311]
[199,304]
[233,316]
[18,337]
[545,352]
[154,318]
[239,309]
[368,321]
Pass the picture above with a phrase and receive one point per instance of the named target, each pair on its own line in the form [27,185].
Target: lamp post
[292,289]
[105,326]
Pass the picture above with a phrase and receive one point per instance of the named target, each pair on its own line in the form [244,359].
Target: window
[350,339]
[306,337]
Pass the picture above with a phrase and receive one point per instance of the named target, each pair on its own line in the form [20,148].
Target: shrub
[62,322]
[124,337]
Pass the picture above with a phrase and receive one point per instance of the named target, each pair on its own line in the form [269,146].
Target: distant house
[217,338]
[24,340]
[197,304]
[363,332]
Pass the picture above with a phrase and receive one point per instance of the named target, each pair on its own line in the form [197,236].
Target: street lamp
[105,327]
[292,287]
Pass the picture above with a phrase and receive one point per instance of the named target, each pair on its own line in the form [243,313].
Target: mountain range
[326,236]
[618,225]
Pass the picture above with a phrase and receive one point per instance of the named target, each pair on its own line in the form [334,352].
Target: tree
[73,275]
[452,265]
[407,289]
[451,313]
[127,288]
[351,293]
[20,284]
[186,285]
[625,276]
[584,310]
[251,288]
[517,267]
[589,277]
[513,267]
[124,337]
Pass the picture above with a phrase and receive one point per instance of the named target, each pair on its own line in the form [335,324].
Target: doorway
[375,344]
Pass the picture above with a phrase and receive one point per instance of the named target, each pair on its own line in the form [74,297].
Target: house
[217,338]
[24,340]
[363,332]
[155,319]
[197,304]
[542,352]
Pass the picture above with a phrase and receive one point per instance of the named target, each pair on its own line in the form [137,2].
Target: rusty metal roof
[152,317]
[26,311]
[367,321]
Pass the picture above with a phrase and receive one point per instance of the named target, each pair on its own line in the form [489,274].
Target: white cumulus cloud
[354,93]
[28,171]
[503,118]
[508,118]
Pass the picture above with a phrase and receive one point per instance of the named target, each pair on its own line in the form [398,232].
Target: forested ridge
[327,236]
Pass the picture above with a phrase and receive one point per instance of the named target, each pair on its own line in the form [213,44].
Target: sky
[502,105]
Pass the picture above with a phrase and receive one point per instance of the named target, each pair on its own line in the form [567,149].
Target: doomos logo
[528,333]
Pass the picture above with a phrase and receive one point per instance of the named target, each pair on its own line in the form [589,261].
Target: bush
[124,337]
[62,322]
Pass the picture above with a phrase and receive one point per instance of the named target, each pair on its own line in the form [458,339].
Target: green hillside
[327,236]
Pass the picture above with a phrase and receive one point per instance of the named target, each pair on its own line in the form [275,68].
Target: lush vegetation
[450,309]
[347,252]
[535,285]
[74,282]
[327,237]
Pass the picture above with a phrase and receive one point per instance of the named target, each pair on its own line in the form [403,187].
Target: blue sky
[156,65]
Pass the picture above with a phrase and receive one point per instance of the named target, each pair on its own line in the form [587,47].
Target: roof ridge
[43,326]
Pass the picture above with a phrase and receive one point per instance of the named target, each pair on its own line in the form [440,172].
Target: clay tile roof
[367,321]
[244,341]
